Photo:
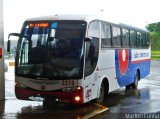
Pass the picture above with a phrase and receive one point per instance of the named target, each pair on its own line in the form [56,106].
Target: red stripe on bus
[139,61]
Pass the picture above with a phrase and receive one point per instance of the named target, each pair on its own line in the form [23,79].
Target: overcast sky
[133,12]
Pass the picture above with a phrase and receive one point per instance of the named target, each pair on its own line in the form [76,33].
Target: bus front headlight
[21,86]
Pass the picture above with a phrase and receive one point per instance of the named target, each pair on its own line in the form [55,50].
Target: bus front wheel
[101,97]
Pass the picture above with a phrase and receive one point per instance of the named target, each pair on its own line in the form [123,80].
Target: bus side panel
[127,63]
[106,67]
[141,61]
[124,71]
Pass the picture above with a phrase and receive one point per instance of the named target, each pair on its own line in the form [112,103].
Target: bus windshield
[52,50]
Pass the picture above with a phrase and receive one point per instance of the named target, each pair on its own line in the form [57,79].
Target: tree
[155,40]
[153,27]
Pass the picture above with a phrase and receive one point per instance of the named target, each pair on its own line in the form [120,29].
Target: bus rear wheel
[134,85]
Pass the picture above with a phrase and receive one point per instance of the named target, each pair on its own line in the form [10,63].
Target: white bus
[78,58]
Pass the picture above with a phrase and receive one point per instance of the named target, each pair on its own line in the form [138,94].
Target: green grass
[155,55]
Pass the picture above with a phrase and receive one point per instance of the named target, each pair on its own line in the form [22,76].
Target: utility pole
[2,82]
[101,12]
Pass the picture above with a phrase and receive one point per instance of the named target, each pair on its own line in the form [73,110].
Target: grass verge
[155,55]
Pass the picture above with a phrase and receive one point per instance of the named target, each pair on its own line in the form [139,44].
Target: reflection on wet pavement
[16,109]
[143,100]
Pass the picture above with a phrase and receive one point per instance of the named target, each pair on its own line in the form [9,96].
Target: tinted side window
[133,38]
[106,35]
[94,33]
[116,36]
[144,40]
[139,40]
[147,40]
[93,30]
[125,38]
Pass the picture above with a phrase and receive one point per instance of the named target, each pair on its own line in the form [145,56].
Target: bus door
[90,72]
[91,58]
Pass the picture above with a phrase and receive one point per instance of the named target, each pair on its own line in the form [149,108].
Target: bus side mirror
[87,39]
[9,41]
[8,46]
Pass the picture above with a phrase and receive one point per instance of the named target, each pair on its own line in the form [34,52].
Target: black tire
[128,87]
[134,85]
[102,92]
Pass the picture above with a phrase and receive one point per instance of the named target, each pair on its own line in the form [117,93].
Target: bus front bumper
[75,97]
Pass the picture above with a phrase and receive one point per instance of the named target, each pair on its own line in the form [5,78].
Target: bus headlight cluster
[71,89]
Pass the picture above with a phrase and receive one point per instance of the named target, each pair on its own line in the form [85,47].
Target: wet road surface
[146,99]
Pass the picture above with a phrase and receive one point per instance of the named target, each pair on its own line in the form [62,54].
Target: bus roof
[132,28]
[86,18]
[65,17]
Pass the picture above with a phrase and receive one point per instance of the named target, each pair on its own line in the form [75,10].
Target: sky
[137,13]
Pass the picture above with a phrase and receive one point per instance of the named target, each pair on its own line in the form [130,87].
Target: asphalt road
[141,103]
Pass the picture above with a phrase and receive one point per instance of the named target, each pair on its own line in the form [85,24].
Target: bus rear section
[131,66]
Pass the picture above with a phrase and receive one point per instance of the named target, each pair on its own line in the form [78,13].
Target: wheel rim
[135,84]
[137,78]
